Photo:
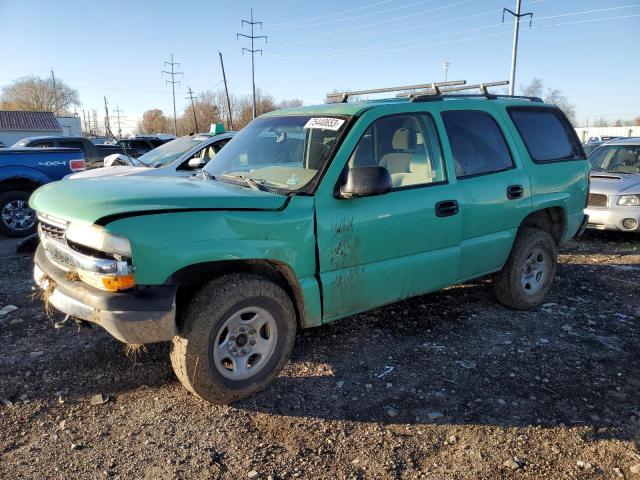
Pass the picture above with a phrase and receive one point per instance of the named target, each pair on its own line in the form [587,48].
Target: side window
[546,134]
[406,145]
[477,143]
[71,144]
[47,144]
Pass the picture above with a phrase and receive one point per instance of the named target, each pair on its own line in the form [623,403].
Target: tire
[16,218]
[202,354]
[528,274]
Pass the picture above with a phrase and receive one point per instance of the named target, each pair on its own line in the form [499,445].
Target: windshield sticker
[293,180]
[324,123]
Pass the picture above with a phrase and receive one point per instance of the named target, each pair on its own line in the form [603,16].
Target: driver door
[380,249]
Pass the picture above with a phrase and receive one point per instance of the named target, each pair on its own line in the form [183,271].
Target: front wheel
[529,272]
[16,218]
[237,335]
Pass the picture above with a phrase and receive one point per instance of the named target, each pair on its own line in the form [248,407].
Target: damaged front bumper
[142,315]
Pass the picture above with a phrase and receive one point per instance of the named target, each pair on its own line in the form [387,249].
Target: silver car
[183,156]
[614,195]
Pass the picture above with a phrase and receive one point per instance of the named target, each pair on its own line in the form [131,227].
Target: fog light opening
[629,223]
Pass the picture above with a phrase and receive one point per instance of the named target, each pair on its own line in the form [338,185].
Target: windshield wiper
[205,175]
[254,184]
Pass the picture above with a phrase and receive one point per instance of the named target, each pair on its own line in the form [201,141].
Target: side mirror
[366,182]
[196,163]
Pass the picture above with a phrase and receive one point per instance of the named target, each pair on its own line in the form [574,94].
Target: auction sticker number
[324,123]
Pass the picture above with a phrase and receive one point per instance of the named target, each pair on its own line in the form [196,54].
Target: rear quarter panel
[562,183]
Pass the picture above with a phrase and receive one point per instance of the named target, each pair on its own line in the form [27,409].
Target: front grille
[597,200]
[53,231]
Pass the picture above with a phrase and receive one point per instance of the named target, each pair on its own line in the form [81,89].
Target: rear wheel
[16,218]
[528,274]
[237,335]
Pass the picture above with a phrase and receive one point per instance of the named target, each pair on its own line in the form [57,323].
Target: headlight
[629,200]
[97,238]
[111,274]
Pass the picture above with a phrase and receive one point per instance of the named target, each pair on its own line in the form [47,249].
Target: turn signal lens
[114,284]
[108,283]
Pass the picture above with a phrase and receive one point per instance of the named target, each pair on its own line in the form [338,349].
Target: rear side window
[546,134]
[477,143]
[71,144]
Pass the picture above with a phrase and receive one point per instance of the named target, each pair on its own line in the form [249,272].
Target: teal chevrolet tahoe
[310,215]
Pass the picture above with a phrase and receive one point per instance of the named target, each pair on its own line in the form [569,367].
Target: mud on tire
[232,325]
[529,272]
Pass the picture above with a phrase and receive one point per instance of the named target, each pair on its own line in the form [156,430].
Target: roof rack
[342,97]
[476,86]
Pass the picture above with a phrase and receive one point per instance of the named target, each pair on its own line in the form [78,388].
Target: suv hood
[90,199]
[610,183]
[107,171]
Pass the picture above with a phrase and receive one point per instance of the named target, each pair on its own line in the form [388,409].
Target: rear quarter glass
[546,133]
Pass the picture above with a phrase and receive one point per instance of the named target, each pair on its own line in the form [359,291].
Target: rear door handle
[515,191]
[446,208]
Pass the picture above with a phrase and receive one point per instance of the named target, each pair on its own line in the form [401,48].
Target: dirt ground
[444,386]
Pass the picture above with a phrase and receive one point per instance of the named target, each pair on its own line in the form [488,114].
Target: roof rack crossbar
[488,96]
[341,97]
[476,86]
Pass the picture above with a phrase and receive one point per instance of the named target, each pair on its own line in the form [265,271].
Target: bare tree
[553,96]
[153,121]
[600,122]
[618,123]
[37,94]
[290,103]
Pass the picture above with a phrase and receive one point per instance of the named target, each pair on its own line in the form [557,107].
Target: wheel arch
[552,220]
[24,184]
[191,277]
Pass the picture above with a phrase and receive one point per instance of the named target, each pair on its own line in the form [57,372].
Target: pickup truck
[22,170]
[310,215]
[93,154]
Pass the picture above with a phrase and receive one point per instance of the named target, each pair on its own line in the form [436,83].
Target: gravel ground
[448,385]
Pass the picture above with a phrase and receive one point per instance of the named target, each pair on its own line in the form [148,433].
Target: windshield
[616,158]
[167,153]
[278,152]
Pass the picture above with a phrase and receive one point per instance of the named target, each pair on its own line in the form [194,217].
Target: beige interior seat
[398,162]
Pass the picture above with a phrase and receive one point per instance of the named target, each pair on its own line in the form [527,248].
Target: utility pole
[173,82]
[193,108]
[226,91]
[118,116]
[55,93]
[445,68]
[516,27]
[107,122]
[84,119]
[253,51]
[95,120]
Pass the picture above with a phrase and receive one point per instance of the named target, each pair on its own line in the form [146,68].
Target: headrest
[400,140]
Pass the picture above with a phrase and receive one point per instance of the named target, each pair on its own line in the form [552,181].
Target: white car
[614,194]
[183,156]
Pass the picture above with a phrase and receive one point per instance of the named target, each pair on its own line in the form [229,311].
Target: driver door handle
[447,208]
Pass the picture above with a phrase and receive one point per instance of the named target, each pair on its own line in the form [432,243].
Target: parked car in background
[310,215]
[2,145]
[136,146]
[22,170]
[594,142]
[93,154]
[614,195]
[183,156]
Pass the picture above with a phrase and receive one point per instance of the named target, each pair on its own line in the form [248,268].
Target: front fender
[20,173]
[164,243]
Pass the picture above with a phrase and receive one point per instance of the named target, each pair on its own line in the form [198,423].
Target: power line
[341,12]
[381,22]
[384,49]
[173,82]
[193,108]
[358,17]
[253,51]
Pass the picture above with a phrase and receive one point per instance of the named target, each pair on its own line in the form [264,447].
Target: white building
[70,126]
[584,133]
